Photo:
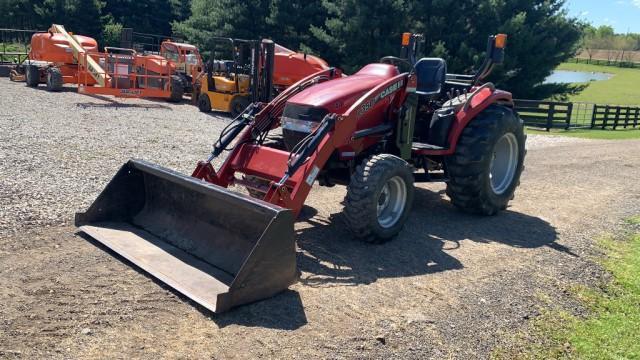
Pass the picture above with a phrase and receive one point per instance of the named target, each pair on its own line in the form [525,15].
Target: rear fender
[479,103]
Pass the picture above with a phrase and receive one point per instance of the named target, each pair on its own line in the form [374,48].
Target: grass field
[10,48]
[622,89]
[612,329]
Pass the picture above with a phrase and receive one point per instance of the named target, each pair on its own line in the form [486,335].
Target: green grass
[622,89]
[612,330]
[10,47]
[619,134]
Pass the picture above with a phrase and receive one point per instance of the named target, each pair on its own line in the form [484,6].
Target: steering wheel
[393,60]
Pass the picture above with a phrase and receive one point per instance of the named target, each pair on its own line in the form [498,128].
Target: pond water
[570,77]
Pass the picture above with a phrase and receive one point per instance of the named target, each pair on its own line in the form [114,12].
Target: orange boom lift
[59,57]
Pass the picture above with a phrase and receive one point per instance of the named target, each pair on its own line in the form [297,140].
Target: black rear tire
[366,191]
[204,104]
[238,104]
[177,89]
[32,75]
[54,79]
[470,184]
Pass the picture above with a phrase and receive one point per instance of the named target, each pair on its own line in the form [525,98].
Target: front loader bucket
[217,247]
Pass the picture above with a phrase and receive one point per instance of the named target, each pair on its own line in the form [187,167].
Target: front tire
[177,89]
[32,75]
[379,198]
[485,170]
[204,104]
[238,105]
[54,79]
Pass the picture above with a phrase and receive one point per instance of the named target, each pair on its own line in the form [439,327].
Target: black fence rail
[15,45]
[566,115]
[545,114]
[615,116]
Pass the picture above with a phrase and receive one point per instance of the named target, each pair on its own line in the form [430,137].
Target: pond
[570,77]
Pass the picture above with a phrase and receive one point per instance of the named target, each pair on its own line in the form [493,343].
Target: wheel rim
[503,163]
[391,201]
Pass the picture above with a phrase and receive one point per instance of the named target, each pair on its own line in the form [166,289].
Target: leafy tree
[225,18]
[540,34]
[111,34]
[79,16]
[149,16]
[359,32]
[289,22]
[18,14]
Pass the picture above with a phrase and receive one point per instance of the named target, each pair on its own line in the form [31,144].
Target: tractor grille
[298,121]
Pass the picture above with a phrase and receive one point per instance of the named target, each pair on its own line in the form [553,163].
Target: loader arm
[335,131]
[81,57]
[292,174]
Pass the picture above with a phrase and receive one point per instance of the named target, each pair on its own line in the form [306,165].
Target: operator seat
[431,74]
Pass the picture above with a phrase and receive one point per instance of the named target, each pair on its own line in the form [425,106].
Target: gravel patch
[535,141]
[58,150]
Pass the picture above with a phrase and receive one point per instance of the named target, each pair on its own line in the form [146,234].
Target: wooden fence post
[552,109]
[594,115]
[626,116]
[569,116]
[617,119]
[606,117]
[635,120]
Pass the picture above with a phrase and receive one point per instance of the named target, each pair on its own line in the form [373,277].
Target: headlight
[298,125]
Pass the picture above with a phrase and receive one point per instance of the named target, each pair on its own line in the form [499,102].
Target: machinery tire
[177,89]
[374,182]
[204,104]
[493,136]
[238,104]
[32,75]
[54,79]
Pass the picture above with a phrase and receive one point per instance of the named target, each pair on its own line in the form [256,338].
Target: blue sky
[623,15]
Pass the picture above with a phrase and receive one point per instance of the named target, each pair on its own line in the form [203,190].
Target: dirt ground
[450,286]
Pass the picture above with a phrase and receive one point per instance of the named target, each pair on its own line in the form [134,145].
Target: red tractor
[378,132]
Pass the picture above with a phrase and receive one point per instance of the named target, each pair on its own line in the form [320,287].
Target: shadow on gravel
[432,233]
[43,87]
[283,311]
[114,103]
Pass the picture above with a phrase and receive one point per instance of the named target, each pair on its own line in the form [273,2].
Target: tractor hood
[339,94]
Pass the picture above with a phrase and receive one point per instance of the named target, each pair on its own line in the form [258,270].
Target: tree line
[616,47]
[100,19]
[346,33]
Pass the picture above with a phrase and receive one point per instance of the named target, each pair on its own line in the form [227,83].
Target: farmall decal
[382,95]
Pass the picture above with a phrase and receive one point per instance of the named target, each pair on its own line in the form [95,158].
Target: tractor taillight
[406,39]
[501,41]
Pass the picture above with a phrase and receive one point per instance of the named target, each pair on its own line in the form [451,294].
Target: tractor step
[424,146]
[430,177]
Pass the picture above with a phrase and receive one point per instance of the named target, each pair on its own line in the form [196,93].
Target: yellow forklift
[231,85]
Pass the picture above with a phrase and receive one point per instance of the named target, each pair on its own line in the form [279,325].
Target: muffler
[219,248]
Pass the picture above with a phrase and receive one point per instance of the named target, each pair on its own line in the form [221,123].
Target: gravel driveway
[451,285]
